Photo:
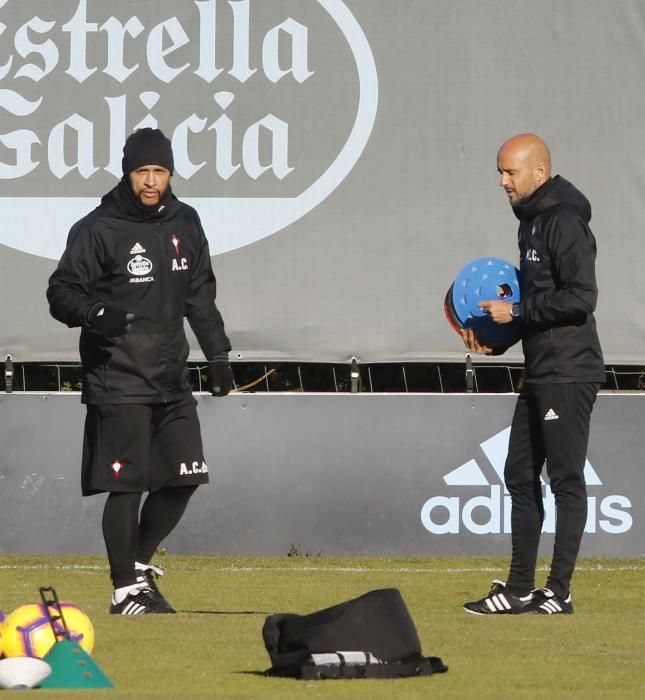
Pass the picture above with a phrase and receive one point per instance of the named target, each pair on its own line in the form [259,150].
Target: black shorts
[137,447]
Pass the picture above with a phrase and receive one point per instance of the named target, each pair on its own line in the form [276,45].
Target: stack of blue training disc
[484,279]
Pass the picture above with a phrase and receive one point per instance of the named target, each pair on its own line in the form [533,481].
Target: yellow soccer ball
[27,630]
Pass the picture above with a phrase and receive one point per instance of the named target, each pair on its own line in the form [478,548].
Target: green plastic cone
[72,667]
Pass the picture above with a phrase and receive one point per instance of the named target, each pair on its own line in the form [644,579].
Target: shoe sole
[147,612]
[474,612]
[550,614]
[497,612]
[489,614]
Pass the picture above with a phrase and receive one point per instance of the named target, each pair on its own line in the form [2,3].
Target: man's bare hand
[471,341]
[499,311]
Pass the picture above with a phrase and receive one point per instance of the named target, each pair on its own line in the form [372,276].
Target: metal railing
[418,377]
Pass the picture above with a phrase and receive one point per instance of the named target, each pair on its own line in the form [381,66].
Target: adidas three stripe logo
[551,607]
[498,603]
[133,608]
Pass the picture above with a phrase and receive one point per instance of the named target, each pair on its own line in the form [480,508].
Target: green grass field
[214,648]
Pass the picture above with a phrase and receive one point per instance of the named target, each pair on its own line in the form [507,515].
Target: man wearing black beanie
[146,146]
[132,270]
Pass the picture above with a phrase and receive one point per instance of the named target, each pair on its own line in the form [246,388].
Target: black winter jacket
[558,286]
[154,264]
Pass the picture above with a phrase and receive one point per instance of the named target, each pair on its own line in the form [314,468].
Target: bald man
[564,369]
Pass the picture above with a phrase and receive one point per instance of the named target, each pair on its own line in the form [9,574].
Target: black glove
[109,321]
[220,375]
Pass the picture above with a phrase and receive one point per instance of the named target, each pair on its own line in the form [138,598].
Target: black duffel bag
[372,636]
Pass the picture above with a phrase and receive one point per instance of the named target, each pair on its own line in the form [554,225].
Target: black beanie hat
[147,147]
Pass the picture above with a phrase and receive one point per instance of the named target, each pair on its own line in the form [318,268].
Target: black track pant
[131,537]
[551,422]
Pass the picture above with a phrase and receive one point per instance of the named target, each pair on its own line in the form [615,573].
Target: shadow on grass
[264,674]
[224,612]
